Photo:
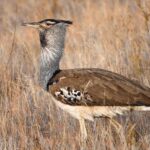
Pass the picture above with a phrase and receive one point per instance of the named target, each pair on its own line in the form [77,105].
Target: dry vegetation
[110,34]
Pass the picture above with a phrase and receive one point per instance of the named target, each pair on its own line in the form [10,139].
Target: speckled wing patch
[73,96]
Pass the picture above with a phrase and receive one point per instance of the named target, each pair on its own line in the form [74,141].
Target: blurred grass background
[110,34]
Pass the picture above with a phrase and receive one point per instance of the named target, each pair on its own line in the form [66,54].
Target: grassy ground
[111,34]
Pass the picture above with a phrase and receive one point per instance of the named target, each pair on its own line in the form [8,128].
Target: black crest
[56,21]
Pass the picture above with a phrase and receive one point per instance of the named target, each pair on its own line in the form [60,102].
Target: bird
[84,93]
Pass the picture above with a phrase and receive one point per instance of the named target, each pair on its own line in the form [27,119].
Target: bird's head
[47,24]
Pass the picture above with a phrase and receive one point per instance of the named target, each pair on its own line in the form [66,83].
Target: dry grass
[110,34]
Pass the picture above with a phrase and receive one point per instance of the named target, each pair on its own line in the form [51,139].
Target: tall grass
[110,34]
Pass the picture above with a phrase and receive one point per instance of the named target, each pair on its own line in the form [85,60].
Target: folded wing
[97,87]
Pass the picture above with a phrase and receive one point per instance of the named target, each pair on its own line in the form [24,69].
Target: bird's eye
[48,24]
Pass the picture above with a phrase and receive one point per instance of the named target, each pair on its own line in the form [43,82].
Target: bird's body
[90,93]
[84,93]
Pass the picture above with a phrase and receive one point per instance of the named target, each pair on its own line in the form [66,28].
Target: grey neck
[52,46]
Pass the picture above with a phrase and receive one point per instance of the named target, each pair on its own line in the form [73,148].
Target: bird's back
[97,87]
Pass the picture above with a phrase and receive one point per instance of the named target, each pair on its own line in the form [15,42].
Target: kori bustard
[84,93]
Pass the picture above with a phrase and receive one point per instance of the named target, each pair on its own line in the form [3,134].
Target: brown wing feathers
[97,87]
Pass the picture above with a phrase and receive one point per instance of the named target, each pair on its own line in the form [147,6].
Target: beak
[31,24]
